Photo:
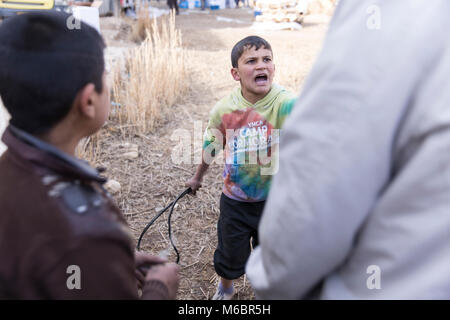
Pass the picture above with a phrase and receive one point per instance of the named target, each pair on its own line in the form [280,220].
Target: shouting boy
[246,126]
[61,236]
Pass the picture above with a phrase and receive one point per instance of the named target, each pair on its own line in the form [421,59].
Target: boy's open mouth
[261,79]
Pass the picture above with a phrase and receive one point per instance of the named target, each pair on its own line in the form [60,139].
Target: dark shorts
[238,223]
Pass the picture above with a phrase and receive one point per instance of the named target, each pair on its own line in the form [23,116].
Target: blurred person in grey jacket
[360,208]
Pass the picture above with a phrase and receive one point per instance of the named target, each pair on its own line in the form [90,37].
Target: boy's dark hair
[247,43]
[45,60]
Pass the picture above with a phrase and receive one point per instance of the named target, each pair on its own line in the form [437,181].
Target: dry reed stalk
[154,77]
[88,148]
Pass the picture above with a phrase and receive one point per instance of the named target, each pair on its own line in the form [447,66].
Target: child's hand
[143,262]
[168,274]
[194,184]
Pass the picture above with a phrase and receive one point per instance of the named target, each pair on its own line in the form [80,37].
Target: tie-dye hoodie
[249,136]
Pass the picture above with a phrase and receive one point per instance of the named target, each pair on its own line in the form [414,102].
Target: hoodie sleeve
[214,135]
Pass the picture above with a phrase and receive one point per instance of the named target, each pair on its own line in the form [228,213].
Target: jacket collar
[32,149]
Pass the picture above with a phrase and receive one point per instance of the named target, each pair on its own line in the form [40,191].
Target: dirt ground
[152,180]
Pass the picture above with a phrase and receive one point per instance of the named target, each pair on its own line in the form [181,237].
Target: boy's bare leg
[226,283]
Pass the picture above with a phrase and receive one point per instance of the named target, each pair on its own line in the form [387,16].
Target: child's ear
[86,101]
[235,74]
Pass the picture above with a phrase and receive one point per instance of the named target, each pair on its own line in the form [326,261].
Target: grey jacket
[360,207]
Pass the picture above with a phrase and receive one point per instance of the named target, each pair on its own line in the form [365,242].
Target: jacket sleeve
[94,268]
[214,136]
[97,268]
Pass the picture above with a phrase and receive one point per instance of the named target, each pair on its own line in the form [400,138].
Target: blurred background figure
[244,3]
[173,5]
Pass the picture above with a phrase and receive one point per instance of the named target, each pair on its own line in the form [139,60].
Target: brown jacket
[61,236]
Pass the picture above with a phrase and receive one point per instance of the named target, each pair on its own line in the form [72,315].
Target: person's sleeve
[214,135]
[286,108]
[335,158]
[97,267]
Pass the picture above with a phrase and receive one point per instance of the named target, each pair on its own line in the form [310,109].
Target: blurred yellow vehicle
[13,7]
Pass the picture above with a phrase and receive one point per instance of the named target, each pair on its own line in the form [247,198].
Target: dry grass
[144,85]
[143,25]
[87,149]
[154,76]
